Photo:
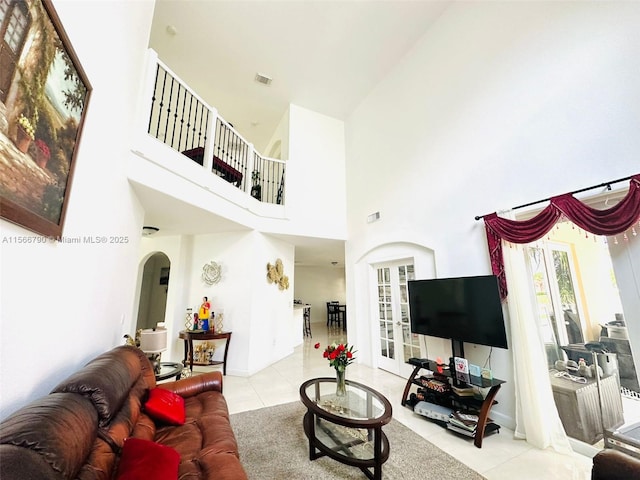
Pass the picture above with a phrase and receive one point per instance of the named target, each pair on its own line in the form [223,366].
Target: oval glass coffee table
[347,429]
[167,370]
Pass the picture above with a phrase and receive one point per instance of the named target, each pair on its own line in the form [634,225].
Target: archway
[153,291]
[385,270]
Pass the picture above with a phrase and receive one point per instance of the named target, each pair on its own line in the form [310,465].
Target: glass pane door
[564,278]
[396,342]
[410,341]
[387,340]
[553,279]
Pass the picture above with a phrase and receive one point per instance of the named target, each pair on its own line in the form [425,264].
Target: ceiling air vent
[263,79]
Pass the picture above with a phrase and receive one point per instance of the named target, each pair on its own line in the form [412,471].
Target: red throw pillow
[143,459]
[165,406]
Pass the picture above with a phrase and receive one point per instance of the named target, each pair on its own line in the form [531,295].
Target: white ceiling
[322,55]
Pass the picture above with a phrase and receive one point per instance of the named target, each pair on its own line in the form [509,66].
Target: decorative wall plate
[211,273]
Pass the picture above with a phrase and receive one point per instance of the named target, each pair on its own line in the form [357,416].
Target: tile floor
[501,457]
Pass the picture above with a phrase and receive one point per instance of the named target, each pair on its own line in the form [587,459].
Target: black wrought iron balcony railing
[182,120]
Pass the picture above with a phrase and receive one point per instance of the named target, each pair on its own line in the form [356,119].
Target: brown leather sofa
[611,464]
[78,430]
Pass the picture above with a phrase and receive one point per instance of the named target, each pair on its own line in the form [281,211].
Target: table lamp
[153,341]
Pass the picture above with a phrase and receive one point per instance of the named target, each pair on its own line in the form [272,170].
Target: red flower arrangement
[43,147]
[339,355]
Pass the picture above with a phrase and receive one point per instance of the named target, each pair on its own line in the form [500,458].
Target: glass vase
[341,388]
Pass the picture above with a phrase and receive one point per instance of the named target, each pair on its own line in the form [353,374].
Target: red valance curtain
[612,221]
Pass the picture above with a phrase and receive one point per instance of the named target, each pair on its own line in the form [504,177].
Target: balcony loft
[186,138]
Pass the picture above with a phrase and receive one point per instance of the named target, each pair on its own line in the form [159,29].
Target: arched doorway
[388,267]
[153,291]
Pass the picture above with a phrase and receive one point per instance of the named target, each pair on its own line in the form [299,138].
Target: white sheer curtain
[537,418]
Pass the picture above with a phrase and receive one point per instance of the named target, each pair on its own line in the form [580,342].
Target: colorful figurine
[205,313]
[205,307]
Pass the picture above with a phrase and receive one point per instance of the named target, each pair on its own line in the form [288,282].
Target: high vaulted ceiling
[322,55]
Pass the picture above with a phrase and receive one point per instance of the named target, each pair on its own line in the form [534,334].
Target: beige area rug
[273,446]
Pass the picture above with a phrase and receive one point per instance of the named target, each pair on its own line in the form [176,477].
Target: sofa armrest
[191,386]
[614,465]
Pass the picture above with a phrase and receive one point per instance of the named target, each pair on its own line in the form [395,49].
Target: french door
[396,342]
[554,283]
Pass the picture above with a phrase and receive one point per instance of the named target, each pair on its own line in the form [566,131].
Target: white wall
[271,329]
[280,140]
[62,304]
[317,286]
[315,196]
[499,104]
[258,314]
[228,295]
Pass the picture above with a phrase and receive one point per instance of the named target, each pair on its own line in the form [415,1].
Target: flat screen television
[466,309]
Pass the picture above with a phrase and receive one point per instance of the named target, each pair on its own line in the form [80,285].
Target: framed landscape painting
[44,95]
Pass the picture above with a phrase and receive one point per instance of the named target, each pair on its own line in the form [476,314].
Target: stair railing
[182,120]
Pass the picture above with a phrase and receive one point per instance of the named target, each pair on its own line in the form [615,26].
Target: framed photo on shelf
[462,369]
[45,93]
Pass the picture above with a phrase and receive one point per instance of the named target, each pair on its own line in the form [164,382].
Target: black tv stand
[482,407]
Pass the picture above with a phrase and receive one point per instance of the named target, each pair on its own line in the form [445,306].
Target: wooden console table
[189,336]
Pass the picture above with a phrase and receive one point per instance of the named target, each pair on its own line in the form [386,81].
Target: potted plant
[25,134]
[256,188]
[42,153]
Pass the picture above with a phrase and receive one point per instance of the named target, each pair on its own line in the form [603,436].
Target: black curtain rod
[605,184]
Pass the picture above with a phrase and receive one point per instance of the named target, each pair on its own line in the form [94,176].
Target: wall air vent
[263,79]
[373,217]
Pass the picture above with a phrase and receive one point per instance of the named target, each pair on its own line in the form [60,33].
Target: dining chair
[332,313]
[342,316]
[306,315]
